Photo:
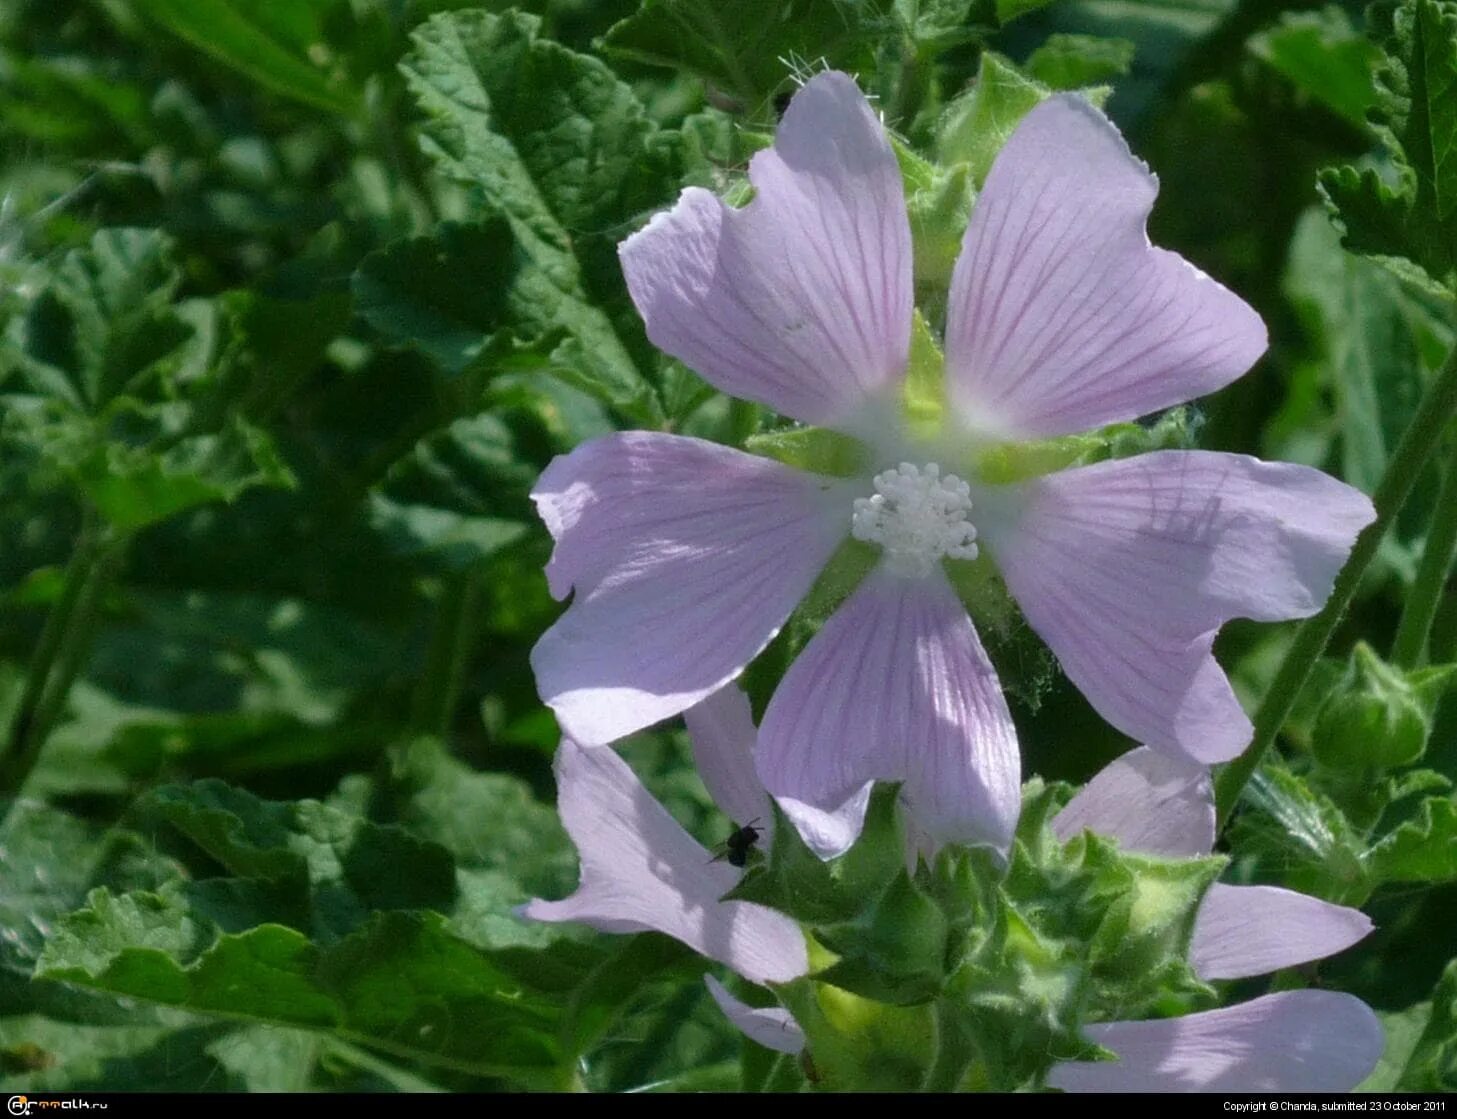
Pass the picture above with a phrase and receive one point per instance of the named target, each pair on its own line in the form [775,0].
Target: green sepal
[977,124]
[815,449]
[1009,463]
[796,881]
[895,951]
[925,385]
[938,203]
[852,561]
[1153,920]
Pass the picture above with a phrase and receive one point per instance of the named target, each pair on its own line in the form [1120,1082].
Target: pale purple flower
[686,557]
[773,1027]
[1293,1041]
[640,872]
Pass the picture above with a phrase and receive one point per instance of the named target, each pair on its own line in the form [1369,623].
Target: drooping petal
[1296,1041]
[641,871]
[1152,803]
[773,1027]
[894,687]
[1253,930]
[686,558]
[802,299]
[1062,316]
[722,732]
[1128,568]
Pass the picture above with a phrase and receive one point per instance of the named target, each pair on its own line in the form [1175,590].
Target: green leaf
[488,821]
[134,487]
[104,324]
[1301,834]
[1076,61]
[273,42]
[459,497]
[1409,224]
[249,654]
[131,404]
[1325,58]
[563,151]
[322,871]
[1422,849]
[278,343]
[1011,9]
[448,293]
[1377,343]
[748,49]
[48,860]
[70,101]
[935,26]
[401,983]
[1432,1066]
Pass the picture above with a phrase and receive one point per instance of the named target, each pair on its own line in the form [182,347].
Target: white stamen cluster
[918,517]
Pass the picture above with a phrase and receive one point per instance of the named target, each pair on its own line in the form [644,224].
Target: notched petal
[802,299]
[1127,569]
[641,872]
[1062,316]
[685,557]
[894,687]
[1151,803]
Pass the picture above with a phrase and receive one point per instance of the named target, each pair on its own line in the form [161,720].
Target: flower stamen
[918,516]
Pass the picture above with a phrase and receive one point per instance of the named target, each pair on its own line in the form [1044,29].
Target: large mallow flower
[1293,1041]
[686,557]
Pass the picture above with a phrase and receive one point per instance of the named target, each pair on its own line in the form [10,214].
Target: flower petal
[641,871]
[1296,1041]
[1128,568]
[895,687]
[1154,804]
[802,299]
[773,1027]
[1062,316]
[686,558]
[1253,930]
[722,732]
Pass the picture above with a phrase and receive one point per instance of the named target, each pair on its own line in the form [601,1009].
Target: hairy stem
[1436,565]
[1420,440]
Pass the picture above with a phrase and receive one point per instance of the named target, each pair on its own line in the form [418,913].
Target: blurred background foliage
[297,297]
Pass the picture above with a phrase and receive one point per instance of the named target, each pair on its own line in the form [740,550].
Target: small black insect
[736,847]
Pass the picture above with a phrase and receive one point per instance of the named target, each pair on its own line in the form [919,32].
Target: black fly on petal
[740,845]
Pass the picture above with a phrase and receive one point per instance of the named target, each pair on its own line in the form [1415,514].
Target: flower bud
[1377,715]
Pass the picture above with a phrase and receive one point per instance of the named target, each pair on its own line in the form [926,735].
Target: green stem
[1436,565]
[450,651]
[60,654]
[1420,440]
[648,1053]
